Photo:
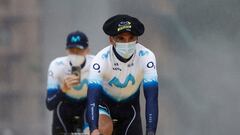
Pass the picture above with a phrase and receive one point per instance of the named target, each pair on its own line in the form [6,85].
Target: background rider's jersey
[58,69]
[120,82]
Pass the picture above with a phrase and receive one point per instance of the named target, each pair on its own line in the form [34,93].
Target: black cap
[77,39]
[123,23]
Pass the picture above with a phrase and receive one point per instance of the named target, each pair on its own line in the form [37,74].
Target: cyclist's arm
[151,95]
[150,86]
[94,88]
[54,92]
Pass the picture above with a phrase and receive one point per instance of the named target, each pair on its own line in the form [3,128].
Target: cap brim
[75,46]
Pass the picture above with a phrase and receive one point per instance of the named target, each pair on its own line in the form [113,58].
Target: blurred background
[196,44]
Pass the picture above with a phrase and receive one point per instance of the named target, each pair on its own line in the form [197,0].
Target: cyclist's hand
[70,81]
[95,132]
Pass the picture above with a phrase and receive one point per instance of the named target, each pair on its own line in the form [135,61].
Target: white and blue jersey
[58,69]
[118,82]
[71,103]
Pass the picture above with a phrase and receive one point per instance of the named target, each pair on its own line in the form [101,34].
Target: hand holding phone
[70,81]
[76,70]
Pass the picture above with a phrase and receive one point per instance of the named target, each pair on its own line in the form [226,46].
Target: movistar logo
[115,81]
[75,39]
[82,83]
[142,53]
[105,55]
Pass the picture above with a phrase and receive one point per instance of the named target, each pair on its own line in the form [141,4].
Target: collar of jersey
[82,65]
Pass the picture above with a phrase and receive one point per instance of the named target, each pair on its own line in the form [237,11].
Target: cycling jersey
[115,84]
[68,108]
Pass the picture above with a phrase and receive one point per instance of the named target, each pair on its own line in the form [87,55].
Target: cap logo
[124,25]
[75,39]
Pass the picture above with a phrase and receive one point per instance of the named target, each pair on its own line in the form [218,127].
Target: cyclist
[67,85]
[115,77]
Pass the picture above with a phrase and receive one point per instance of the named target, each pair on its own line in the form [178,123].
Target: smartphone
[76,70]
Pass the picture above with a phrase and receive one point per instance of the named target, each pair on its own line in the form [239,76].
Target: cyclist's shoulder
[104,50]
[89,57]
[143,51]
[59,61]
[103,54]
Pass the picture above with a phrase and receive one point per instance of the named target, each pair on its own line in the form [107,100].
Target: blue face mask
[126,50]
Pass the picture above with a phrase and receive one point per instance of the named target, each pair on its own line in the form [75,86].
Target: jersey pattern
[58,69]
[121,80]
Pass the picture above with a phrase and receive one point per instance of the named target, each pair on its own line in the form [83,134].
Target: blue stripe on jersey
[52,86]
[52,91]
[150,78]
[148,84]
[151,95]
[54,96]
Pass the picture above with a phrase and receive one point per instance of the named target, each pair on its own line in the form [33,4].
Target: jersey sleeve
[94,88]
[150,86]
[54,93]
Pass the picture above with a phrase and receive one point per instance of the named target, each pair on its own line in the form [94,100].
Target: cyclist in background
[67,86]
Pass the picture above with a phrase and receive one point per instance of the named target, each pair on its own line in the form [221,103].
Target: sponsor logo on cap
[124,25]
[75,39]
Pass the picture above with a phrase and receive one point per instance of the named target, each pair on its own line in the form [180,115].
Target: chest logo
[115,81]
